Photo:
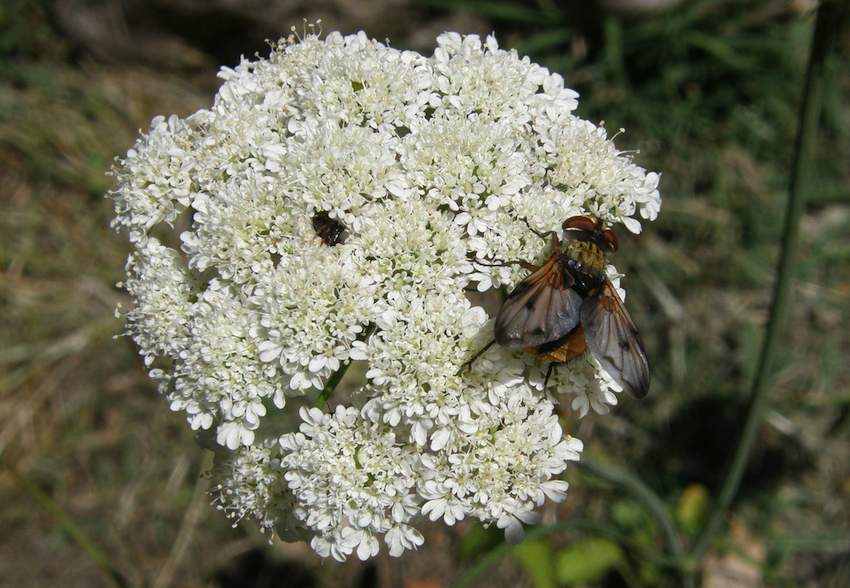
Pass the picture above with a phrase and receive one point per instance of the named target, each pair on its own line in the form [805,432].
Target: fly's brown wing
[542,308]
[614,341]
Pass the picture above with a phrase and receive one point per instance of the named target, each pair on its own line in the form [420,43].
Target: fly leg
[543,235]
[468,364]
[524,264]
[548,373]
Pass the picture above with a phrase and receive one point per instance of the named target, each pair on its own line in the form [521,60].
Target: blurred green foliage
[26,32]
[587,560]
[692,507]
[537,559]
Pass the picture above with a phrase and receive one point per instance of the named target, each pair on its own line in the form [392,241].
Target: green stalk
[331,385]
[337,376]
[831,15]
[64,520]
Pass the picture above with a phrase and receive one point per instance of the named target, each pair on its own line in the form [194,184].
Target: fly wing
[542,308]
[614,341]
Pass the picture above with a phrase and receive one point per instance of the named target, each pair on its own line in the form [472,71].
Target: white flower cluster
[243,309]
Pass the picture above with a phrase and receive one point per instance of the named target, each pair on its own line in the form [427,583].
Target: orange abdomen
[562,350]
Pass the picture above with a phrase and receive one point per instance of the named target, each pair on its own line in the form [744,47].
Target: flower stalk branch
[337,376]
[330,387]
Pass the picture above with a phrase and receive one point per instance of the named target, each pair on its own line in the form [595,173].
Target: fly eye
[582,223]
[611,238]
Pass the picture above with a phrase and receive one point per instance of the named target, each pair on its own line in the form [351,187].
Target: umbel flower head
[243,311]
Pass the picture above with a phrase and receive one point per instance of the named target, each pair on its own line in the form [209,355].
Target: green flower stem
[831,15]
[643,494]
[64,520]
[337,376]
[331,385]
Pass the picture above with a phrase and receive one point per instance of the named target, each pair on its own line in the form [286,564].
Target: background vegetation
[709,93]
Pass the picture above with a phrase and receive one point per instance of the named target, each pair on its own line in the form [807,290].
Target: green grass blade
[67,524]
[832,15]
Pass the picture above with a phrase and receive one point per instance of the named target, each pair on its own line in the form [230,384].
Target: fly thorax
[587,254]
[585,263]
